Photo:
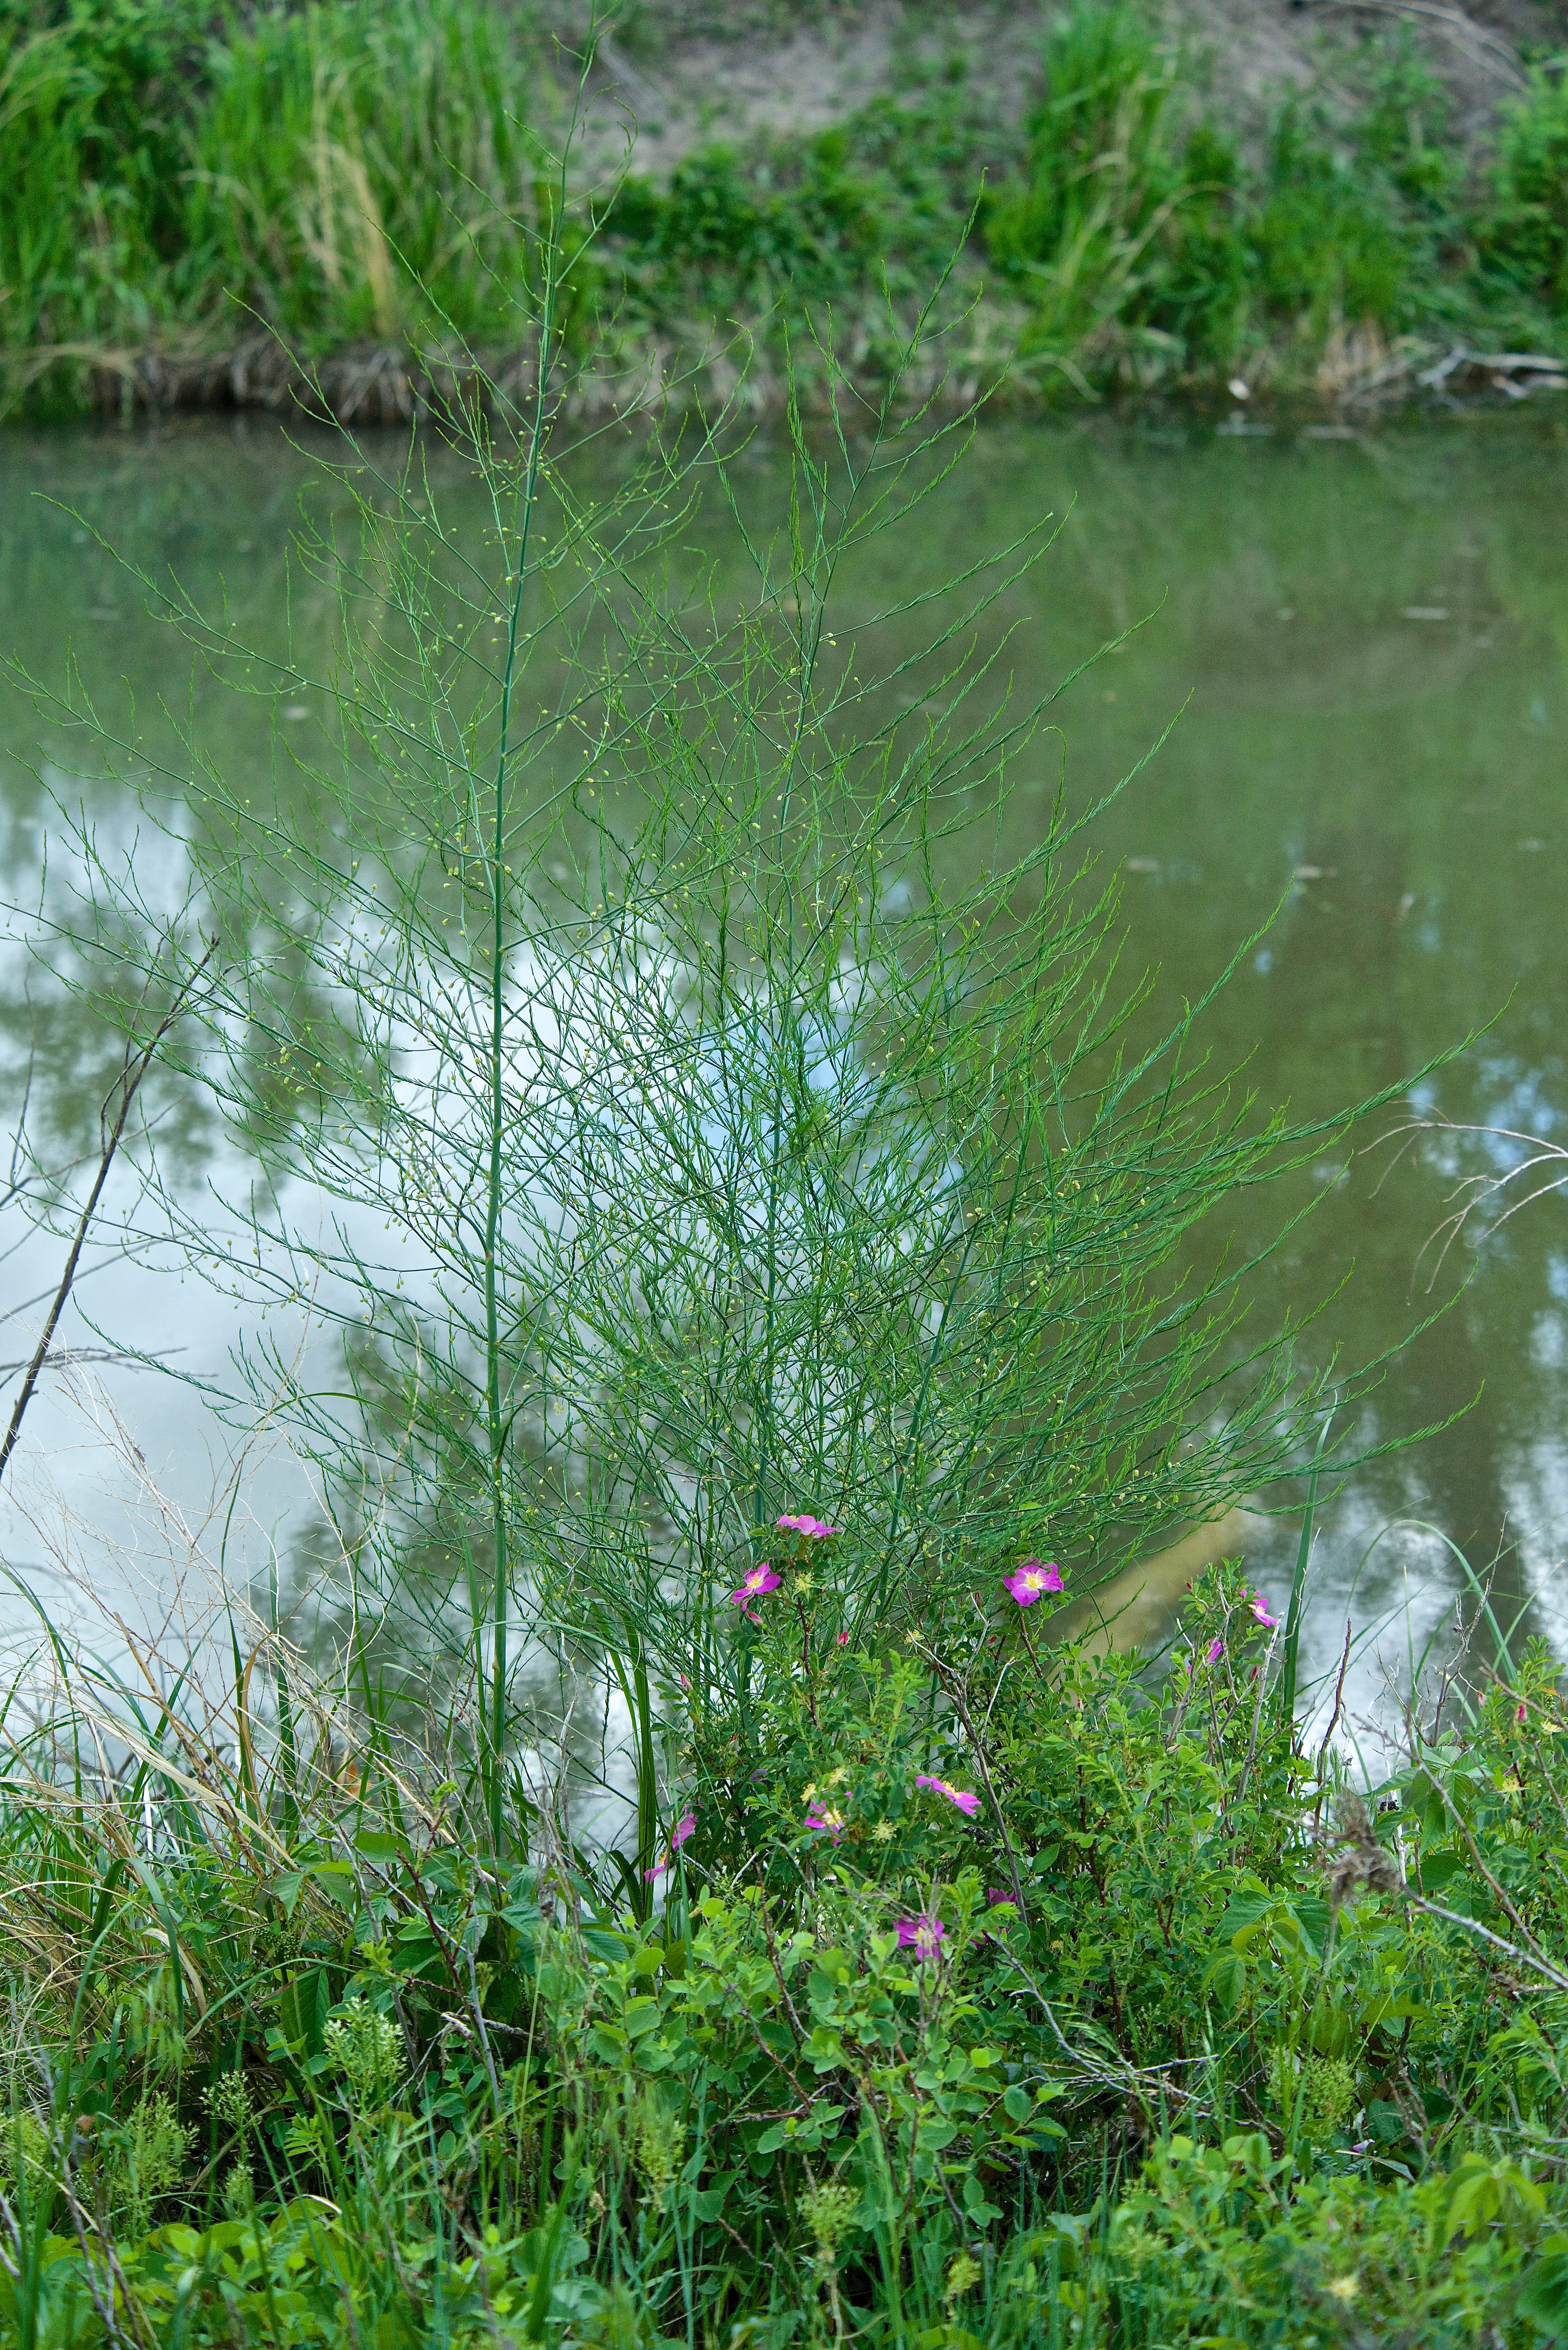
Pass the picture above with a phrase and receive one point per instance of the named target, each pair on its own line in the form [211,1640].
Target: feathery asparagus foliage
[710,1109]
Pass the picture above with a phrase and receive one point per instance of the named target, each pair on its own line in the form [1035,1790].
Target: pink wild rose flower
[924,1935]
[1031,1580]
[964,1802]
[760,1578]
[813,1529]
[826,1820]
[1261,1610]
[1216,1650]
[683,1828]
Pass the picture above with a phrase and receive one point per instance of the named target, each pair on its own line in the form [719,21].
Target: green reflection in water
[1367,642]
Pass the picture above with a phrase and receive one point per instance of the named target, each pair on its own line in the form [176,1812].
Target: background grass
[368,172]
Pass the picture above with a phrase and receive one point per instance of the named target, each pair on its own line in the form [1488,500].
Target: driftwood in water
[1518,373]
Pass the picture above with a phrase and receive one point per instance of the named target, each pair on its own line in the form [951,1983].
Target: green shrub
[1231,2241]
[1325,241]
[1351,222]
[842,2076]
[882,198]
[720,220]
[1523,234]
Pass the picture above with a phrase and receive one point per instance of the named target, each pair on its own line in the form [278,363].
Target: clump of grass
[94,114]
[1096,228]
[1524,232]
[358,170]
[368,170]
[1147,249]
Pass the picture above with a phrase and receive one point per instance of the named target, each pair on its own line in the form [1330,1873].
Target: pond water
[1364,641]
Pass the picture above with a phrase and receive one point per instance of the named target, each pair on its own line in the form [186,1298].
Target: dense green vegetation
[1032,2023]
[173,171]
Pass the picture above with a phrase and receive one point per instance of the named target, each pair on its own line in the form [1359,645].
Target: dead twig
[1368,1867]
[110,1130]
[1483,45]
[1333,1726]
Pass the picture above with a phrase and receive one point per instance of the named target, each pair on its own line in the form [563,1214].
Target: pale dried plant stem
[111,1129]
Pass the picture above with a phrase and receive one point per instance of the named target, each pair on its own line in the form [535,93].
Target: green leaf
[1544,2296]
[335,1879]
[825,2049]
[376,1845]
[1238,1926]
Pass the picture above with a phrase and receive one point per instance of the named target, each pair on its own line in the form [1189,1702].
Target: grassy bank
[198,202]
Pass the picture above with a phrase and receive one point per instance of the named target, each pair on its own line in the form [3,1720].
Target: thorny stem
[485,2050]
[1510,1949]
[806,1657]
[1257,1718]
[955,1691]
[1333,1726]
[1023,1627]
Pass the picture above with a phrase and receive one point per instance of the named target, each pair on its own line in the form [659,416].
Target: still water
[1364,641]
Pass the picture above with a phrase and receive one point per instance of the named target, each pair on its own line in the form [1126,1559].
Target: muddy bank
[1359,377]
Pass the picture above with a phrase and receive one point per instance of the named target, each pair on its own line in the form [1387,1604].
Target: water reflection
[1367,643]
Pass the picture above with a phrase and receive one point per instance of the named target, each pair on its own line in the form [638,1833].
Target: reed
[369,171]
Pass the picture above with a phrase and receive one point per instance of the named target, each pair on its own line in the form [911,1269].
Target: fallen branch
[1502,367]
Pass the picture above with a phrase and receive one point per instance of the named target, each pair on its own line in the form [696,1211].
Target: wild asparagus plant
[686,1072]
